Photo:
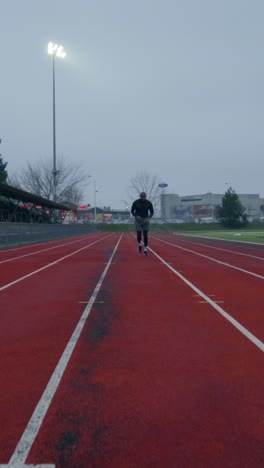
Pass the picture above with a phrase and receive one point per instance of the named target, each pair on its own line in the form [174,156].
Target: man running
[142,210]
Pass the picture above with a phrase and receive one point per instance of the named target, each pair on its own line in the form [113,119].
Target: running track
[111,359]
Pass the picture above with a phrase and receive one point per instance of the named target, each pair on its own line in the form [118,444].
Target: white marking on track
[49,265]
[31,431]
[27,466]
[221,239]
[219,309]
[210,258]
[29,246]
[40,251]
[219,248]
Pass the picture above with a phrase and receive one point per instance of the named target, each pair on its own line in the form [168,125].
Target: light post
[94,185]
[56,51]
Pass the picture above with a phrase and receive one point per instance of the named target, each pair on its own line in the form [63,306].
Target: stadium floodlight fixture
[56,50]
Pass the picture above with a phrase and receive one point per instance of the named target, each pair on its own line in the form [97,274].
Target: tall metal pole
[58,51]
[94,187]
[54,133]
[94,201]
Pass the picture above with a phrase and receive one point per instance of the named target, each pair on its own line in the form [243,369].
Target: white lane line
[40,251]
[219,309]
[28,466]
[52,241]
[50,264]
[210,258]
[221,239]
[219,248]
[31,431]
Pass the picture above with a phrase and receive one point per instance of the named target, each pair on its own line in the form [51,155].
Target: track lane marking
[50,264]
[210,258]
[219,309]
[28,466]
[216,302]
[40,251]
[35,244]
[220,248]
[222,239]
[31,431]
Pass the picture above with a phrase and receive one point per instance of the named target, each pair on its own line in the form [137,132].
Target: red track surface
[158,378]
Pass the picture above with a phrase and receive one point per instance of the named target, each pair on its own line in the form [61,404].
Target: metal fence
[12,234]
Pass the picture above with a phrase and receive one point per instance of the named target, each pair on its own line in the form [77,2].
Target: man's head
[143,195]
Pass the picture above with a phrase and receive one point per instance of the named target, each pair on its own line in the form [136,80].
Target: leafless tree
[37,178]
[145,182]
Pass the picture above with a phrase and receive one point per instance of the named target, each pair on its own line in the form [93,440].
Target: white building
[195,208]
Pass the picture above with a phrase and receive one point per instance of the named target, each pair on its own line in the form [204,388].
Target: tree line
[37,178]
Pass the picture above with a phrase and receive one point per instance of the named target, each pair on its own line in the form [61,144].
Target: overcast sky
[171,87]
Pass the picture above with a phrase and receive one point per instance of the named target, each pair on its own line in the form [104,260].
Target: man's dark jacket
[142,208]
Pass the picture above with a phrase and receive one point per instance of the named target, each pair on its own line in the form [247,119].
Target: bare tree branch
[38,178]
[14,181]
[145,182]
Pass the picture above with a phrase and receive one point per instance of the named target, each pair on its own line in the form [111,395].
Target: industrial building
[202,208]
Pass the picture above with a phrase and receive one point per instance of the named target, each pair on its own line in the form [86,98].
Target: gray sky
[171,87]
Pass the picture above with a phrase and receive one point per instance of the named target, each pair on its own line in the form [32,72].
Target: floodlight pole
[95,202]
[94,187]
[58,51]
[54,171]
